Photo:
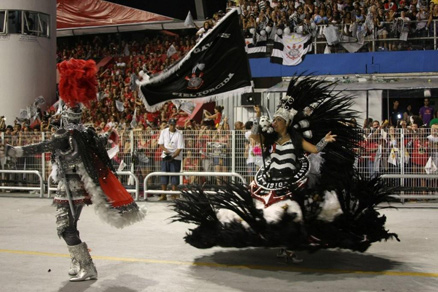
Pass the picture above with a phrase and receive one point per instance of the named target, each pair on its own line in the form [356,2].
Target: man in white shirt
[171,141]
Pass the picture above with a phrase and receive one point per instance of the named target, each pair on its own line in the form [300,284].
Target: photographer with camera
[171,141]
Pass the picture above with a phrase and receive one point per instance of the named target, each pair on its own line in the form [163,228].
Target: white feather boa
[330,207]
[104,209]
[273,214]
[228,216]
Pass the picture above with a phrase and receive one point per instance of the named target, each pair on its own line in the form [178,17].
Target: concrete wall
[27,63]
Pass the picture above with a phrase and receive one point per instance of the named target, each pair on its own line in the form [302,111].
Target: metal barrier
[375,158]
[36,172]
[194,173]
[403,196]
[135,190]
[372,38]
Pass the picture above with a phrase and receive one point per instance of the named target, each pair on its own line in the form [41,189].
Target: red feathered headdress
[78,83]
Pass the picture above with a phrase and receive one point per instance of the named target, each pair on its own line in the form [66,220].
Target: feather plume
[77,82]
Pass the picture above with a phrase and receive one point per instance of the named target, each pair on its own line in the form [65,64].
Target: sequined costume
[297,201]
[82,169]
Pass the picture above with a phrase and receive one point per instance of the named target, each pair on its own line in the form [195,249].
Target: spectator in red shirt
[419,146]
[216,117]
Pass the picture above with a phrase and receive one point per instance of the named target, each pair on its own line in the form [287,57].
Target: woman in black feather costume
[307,196]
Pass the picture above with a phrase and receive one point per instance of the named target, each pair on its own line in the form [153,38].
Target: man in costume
[307,195]
[82,168]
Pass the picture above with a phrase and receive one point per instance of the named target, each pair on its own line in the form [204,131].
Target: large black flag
[217,65]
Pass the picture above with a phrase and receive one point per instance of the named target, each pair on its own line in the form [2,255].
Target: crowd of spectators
[354,20]
[126,58]
[132,57]
[406,142]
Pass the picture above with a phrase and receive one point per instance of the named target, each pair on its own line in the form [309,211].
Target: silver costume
[80,161]
[82,168]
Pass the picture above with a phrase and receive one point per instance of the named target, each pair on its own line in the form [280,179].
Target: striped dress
[283,161]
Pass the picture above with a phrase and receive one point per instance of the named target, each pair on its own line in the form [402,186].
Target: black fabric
[71,232]
[93,154]
[217,64]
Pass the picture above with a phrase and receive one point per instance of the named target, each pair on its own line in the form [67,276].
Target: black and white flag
[216,66]
[256,46]
[289,50]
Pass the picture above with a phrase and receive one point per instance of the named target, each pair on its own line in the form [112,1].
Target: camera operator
[171,141]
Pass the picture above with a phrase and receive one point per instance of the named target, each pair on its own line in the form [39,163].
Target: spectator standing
[2,160]
[143,152]
[204,30]
[239,126]
[408,114]
[433,15]
[190,164]
[426,112]
[392,152]
[216,117]
[422,18]
[2,124]
[250,159]
[396,113]
[156,151]
[204,138]
[373,149]
[171,142]
[419,153]
[433,149]
[219,150]
[368,123]
[382,31]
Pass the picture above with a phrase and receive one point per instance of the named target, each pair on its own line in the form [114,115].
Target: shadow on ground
[321,262]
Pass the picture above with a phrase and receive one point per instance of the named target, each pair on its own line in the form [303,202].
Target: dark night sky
[174,8]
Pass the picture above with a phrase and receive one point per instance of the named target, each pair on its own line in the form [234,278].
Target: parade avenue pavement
[152,256]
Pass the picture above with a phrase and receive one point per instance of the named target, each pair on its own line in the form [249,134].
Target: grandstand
[128,50]
[380,52]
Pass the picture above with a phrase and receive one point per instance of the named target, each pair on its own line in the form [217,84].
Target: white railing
[201,174]
[199,158]
[40,188]
[51,188]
